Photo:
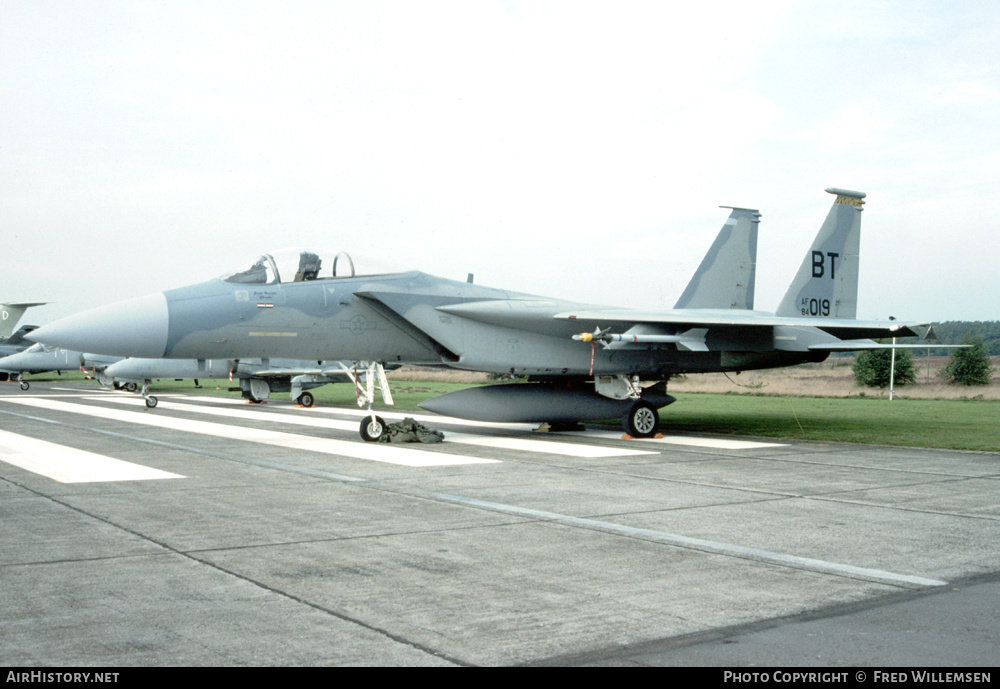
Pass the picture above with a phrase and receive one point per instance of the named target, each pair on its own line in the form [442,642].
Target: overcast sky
[569,149]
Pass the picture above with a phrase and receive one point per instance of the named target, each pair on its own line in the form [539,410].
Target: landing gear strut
[372,426]
[150,400]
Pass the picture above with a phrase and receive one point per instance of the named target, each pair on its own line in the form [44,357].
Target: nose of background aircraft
[137,327]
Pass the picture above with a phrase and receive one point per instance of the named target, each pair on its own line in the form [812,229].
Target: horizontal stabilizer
[860,345]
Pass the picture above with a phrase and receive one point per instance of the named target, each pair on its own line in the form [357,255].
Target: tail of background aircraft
[826,285]
[18,337]
[10,314]
[726,277]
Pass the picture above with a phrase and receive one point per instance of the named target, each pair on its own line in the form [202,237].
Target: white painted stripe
[375,452]
[554,446]
[303,417]
[386,413]
[701,544]
[70,465]
[714,443]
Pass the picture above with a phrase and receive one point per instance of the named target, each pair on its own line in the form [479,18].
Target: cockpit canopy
[298,265]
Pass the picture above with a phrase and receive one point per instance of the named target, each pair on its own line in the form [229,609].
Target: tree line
[969,365]
[954,332]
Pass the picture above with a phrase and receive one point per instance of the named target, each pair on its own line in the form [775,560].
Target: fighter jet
[41,358]
[14,344]
[17,342]
[257,378]
[584,361]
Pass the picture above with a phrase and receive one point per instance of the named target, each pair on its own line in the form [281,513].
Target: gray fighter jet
[17,342]
[14,344]
[584,361]
[257,378]
[41,358]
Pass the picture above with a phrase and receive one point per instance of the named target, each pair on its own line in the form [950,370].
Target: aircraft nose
[137,327]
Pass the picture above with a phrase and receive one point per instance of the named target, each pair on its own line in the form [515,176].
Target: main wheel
[642,420]
[372,428]
[306,399]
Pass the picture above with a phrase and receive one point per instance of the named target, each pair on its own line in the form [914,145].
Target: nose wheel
[150,400]
[372,428]
[373,378]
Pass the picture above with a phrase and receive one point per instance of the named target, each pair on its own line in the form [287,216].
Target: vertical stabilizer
[826,285]
[725,278]
[10,314]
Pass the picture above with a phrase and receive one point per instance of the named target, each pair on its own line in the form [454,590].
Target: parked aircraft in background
[10,315]
[41,358]
[301,306]
[257,378]
[17,342]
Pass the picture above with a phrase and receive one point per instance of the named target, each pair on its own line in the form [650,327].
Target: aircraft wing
[685,328]
[529,314]
[848,328]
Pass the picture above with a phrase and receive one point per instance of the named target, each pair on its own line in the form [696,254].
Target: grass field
[952,424]
[817,402]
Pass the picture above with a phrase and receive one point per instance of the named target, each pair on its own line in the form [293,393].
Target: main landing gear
[642,420]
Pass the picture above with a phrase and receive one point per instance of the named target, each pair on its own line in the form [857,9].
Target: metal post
[892,369]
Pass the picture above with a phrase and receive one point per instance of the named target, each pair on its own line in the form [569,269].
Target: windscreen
[300,265]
